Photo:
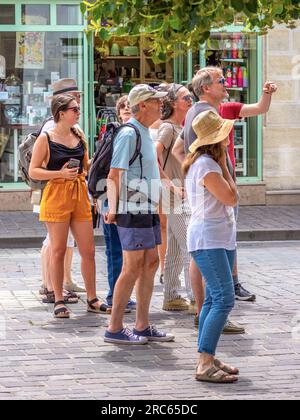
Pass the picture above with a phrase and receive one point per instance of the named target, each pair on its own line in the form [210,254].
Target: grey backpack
[25,155]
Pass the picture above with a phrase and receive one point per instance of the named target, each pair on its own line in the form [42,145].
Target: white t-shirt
[212,225]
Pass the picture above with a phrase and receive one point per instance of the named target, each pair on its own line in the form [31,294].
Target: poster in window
[30,51]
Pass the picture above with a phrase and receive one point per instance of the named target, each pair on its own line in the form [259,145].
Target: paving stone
[41,358]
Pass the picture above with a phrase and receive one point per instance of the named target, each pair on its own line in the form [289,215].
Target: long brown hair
[213,150]
[61,103]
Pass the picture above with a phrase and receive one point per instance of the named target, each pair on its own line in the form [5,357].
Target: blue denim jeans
[114,257]
[216,266]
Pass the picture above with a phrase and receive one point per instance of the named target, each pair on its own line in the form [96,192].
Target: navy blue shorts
[139,231]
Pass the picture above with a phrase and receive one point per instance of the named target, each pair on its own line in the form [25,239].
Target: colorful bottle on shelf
[228,49]
[245,77]
[245,47]
[240,77]
[234,48]
[229,77]
[234,76]
[240,48]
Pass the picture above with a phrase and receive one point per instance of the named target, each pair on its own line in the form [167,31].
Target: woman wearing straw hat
[212,194]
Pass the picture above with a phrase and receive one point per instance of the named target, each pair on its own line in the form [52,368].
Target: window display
[33,61]
[236,54]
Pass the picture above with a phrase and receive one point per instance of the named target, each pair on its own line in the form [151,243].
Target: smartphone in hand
[73,163]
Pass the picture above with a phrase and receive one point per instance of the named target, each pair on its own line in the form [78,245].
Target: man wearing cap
[136,218]
[59,87]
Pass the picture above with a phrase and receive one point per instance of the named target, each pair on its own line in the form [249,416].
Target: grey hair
[135,109]
[203,78]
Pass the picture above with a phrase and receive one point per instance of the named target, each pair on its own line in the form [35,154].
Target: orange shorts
[65,200]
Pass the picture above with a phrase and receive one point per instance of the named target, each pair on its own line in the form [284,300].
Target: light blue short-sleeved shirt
[124,148]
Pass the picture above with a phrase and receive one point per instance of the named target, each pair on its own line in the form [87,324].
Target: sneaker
[231,328]
[124,336]
[73,287]
[131,305]
[243,295]
[178,304]
[193,308]
[153,334]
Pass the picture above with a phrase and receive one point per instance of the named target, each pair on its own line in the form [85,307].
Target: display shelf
[234,60]
[237,88]
[122,57]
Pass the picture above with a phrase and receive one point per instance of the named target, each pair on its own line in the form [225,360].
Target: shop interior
[29,63]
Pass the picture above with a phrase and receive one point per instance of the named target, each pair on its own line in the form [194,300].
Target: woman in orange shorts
[60,157]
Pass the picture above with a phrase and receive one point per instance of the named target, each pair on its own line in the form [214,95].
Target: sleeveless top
[61,154]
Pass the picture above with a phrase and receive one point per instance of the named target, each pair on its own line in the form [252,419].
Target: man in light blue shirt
[133,196]
[144,177]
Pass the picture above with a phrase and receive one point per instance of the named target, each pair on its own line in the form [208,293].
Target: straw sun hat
[210,129]
[64,86]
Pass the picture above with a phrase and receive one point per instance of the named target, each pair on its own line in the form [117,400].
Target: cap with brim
[210,129]
[141,93]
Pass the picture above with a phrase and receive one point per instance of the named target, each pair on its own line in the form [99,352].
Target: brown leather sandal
[69,297]
[216,376]
[226,368]
[102,309]
[62,312]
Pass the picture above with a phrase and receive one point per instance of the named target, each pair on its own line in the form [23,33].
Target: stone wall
[281,136]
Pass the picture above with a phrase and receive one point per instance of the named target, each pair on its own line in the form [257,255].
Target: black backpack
[101,162]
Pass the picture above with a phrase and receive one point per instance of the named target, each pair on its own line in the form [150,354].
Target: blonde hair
[204,77]
[121,103]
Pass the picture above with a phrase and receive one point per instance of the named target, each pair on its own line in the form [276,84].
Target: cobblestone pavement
[251,218]
[43,358]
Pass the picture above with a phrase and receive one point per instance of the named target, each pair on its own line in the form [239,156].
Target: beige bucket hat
[210,129]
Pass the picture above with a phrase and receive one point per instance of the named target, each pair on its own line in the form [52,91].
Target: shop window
[236,55]
[35,14]
[68,15]
[29,63]
[7,14]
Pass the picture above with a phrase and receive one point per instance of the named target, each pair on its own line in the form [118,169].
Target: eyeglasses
[187,98]
[75,109]
[222,81]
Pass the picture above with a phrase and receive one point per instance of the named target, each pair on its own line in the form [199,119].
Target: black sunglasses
[76,109]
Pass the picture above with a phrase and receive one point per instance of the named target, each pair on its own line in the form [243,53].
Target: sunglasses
[75,109]
[125,105]
[222,81]
[187,98]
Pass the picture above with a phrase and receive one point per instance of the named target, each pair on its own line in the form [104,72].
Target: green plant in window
[186,22]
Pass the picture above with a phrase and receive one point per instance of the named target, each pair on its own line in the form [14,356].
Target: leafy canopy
[183,22]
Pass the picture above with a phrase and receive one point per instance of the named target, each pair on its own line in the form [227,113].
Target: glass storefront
[31,59]
[42,41]
[239,55]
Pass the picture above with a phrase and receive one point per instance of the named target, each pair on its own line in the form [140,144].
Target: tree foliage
[183,22]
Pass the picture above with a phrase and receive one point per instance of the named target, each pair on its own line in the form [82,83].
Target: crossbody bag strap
[170,147]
